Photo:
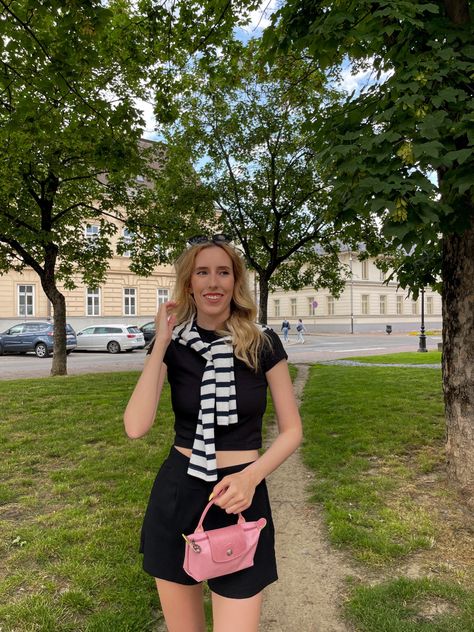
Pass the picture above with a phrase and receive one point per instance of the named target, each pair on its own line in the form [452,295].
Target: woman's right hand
[165,320]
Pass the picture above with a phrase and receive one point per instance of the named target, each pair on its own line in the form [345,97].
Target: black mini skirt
[176,503]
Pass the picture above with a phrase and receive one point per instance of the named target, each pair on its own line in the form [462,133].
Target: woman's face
[212,285]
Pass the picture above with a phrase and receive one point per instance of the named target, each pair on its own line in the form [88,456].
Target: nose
[212,280]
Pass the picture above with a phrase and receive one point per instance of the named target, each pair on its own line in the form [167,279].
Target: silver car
[112,338]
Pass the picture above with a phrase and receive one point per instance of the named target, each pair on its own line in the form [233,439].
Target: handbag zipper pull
[192,544]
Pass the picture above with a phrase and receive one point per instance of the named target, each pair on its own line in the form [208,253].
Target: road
[335,347]
[317,347]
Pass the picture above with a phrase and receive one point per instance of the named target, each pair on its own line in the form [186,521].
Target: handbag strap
[206,509]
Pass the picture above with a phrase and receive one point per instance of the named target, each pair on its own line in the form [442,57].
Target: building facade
[123,298]
[366,304]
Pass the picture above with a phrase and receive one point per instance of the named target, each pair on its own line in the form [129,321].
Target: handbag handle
[206,509]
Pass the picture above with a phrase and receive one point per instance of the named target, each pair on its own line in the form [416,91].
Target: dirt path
[308,595]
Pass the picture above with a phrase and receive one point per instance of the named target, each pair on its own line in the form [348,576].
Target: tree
[387,144]
[243,126]
[70,75]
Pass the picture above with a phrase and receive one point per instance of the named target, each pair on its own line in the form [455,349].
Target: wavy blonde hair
[247,339]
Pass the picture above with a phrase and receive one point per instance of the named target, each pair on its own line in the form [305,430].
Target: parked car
[148,330]
[37,336]
[112,338]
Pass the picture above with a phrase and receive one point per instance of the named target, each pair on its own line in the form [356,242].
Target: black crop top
[185,370]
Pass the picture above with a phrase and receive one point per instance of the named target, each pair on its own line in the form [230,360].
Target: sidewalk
[312,573]
[386,365]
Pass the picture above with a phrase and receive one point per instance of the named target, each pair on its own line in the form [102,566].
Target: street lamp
[352,292]
[422,344]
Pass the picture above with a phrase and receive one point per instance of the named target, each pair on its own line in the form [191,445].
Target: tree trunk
[263,300]
[457,11]
[458,355]
[59,365]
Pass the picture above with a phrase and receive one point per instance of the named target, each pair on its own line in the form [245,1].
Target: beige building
[123,298]
[365,305]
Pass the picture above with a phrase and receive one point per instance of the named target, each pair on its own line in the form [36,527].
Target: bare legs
[182,606]
[184,612]
[236,615]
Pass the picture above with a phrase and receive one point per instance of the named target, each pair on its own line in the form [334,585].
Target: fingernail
[211,496]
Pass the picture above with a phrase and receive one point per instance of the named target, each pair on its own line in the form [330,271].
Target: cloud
[261,17]
[356,80]
[146,107]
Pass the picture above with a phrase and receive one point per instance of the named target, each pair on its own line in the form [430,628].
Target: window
[382,304]
[129,301]
[17,329]
[414,308]
[399,305]
[311,306]
[330,305]
[92,231]
[429,305]
[365,304]
[93,301]
[34,327]
[109,330]
[382,275]
[162,296]
[365,269]
[127,239]
[276,307]
[293,306]
[88,331]
[26,303]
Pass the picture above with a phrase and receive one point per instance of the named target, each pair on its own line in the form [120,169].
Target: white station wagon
[112,338]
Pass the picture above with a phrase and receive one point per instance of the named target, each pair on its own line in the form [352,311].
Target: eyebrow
[218,267]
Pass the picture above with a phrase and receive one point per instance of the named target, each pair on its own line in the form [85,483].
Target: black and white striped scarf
[218,397]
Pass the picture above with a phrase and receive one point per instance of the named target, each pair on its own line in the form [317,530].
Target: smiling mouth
[213,297]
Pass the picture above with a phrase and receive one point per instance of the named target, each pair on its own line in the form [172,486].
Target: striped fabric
[218,400]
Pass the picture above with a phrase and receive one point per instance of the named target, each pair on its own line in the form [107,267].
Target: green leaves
[243,125]
[405,144]
[70,77]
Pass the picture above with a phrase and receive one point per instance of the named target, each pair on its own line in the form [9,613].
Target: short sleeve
[273,353]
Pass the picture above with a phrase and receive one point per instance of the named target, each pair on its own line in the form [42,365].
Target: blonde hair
[247,338]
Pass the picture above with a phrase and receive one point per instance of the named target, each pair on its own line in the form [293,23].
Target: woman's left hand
[235,492]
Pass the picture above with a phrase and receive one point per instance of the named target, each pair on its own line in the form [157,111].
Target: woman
[212,309]
[301,329]
[285,327]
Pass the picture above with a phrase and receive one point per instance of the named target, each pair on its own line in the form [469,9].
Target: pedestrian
[285,328]
[212,311]
[301,329]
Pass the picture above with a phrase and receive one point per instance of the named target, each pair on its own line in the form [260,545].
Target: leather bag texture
[222,551]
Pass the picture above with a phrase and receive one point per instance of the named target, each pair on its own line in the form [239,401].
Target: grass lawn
[73,490]
[72,495]
[374,438]
[407,357]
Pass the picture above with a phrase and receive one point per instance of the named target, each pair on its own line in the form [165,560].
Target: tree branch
[46,54]
[20,222]
[214,27]
[24,254]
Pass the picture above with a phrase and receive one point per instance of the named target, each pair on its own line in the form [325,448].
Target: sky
[351,81]
[259,20]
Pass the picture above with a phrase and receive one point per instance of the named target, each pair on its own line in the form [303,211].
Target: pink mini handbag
[221,551]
